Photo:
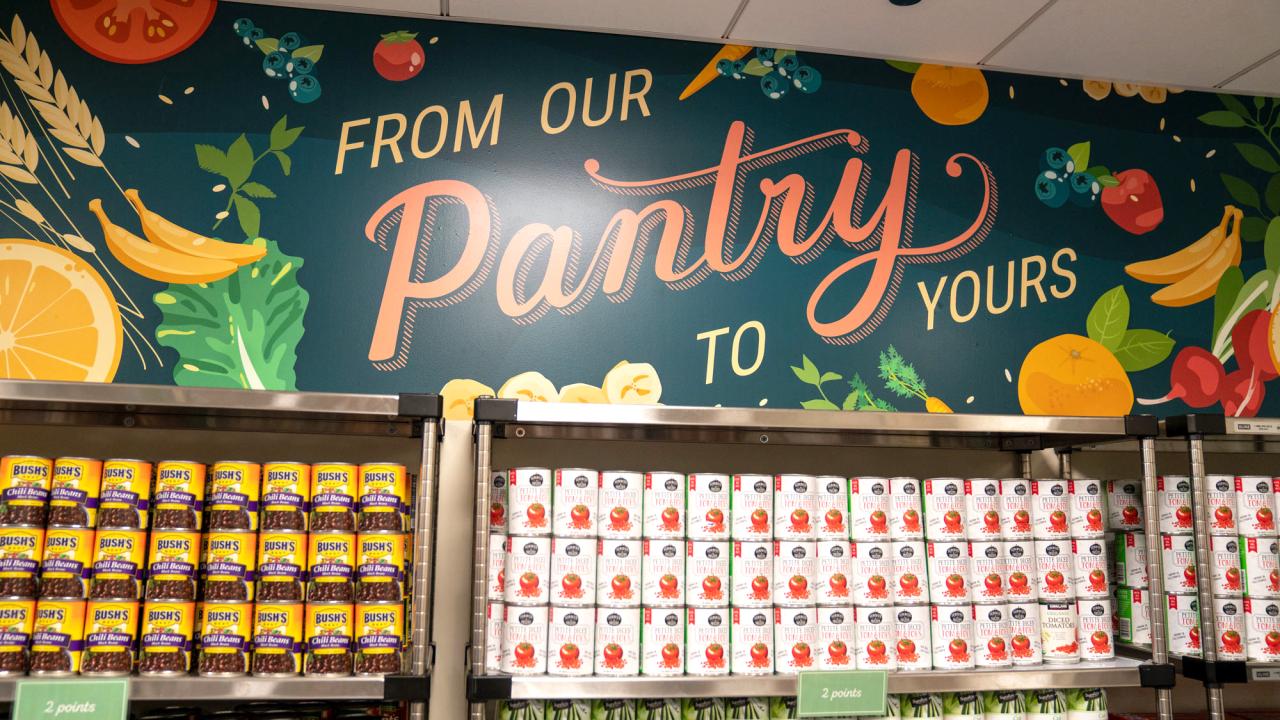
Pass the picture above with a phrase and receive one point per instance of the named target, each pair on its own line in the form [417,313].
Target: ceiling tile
[955,31]
[1262,80]
[1172,42]
[704,18]
[372,7]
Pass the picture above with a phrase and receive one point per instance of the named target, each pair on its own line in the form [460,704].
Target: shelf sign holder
[67,699]
[841,693]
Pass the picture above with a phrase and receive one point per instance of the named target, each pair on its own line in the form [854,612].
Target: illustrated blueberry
[1085,189]
[275,63]
[301,65]
[290,41]
[774,85]
[1056,159]
[789,64]
[255,34]
[242,26]
[304,88]
[807,79]
[725,67]
[765,56]
[1051,188]
[737,69]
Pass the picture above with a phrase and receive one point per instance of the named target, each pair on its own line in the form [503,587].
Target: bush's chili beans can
[282,565]
[837,643]
[1058,639]
[380,566]
[1130,559]
[795,566]
[948,564]
[229,559]
[1088,514]
[331,564]
[1020,570]
[618,564]
[751,640]
[870,507]
[497,566]
[1024,633]
[621,500]
[662,573]
[379,639]
[1182,623]
[573,572]
[277,639]
[664,505]
[384,497]
[286,494]
[493,614]
[1229,619]
[617,652]
[179,495]
[832,513]
[1179,563]
[1094,629]
[67,563]
[706,647]
[118,555]
[1220,493]
[751,573]
[529,501]
[1055,568]
[982,509]
[944,510]
[991,638]
[988,572]
[1224,566]
[1259,566]
[574,499]
[571,634]
[795,639]
[835,572]
[24,489]
[905,509]
[73,493]
[234,487]
[795,507]
[1262,629]
[498,502]
[528,570]
[1124,505]
[125,497]
[1015,509]
[17,619]
[21,551]
[110,637]
[706,574]
[226,633]
[910,572]
[751,507]
[707,506]
[1089,567]
[173,560]
[329,630]
[1050,509]
[952,632]
[524,641]
[872,573]
[165,637]
[333,496]
[1173,494]
[57,640]
[914,646]
[1255,505]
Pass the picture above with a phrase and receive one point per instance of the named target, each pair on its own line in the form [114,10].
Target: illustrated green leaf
[1079,154]
[211,159]
[1258,157]
[1109,318]
[808,373]
[239,161]
[310,52]
[850,401]
[268,45]
[1228,290]
[1098,171]
[1241,191]
[828,376]
[257,190]
[249,216]
[1232,103]
[1272,193]
[1271,245]
[1222,118]
[755,67]
[285,163]
[239,332]
[1253,229]
[904,66]
[1259,102]
[282,136]
[1109,181]
[818,404]
[1142,349]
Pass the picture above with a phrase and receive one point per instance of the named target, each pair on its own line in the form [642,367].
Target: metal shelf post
[1204,582]
[424,559]
[483,431]
[1155,571]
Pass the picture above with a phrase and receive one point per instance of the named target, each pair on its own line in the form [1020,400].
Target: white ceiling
[1203,44]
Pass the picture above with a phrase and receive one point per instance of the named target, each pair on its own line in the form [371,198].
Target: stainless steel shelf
[181,690]
[1264,672]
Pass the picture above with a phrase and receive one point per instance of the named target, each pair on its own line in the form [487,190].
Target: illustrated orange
[58,319]
[1073,375]
[950,95]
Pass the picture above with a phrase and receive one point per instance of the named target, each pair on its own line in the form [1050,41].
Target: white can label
[664,505]
[987,570]
[910,571]
[573,572]
[662,573]
[905,509]
[1220,494]
[832,507]
[1228,615]
[1131,559]
[1087,509]
[1058,639]
[1124,504]
[914,648]
[707,573]
[1015,508]
[1021,576]
[1262,634]
[877,639]
[1133,616]
[795,633]
[1055,569]
[991,636]
[872,573]
[1094,629]
[707,506]
[751,572]
[498,502]
[944,509]
[795,565]
[982,508]
[574,500]
[527,572]
[1173,494]
[662,642]
[529,501]
[795,503]
[1050,509]
[571,634]
[871,506]
[707,641]
[952,630]
[1090,567]
[621,500]
[1256,505]
[751,640]
[752,507]
[837,638]
[835,567]
[618,641]
[1224,566]
[524,641]
[1182,622]
[497,566]
[1260,567]
[618,564]
[948,572]
[493,619]
[1024,633]
[1179,562]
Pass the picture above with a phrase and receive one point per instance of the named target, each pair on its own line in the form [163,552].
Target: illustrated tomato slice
[133,32]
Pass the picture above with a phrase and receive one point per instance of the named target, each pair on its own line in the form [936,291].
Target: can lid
[132,460]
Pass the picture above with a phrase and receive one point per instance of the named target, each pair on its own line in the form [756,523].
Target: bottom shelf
[190,689]
[1121,672]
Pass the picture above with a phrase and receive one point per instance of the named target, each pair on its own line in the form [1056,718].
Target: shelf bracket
[488,687]
[1158,676]
[1216,673]
[411,688]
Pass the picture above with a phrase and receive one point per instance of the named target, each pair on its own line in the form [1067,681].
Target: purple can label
[56,639]
[25,566]
[170,567]
[331,571]
[276,642]
[282,499]
[331,500]
[123,497]
[379,570]
[108,639]
[113,567]
[226,569]
[372,500]
[233,499]
[73,495]
[70,567]
[179,498]
[223,641]
[369,642]
[329,642]
[26,492]
[13,639]
[279,570]
[165,640]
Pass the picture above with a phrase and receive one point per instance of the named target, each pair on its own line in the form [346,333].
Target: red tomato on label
[134,32]
[398,56]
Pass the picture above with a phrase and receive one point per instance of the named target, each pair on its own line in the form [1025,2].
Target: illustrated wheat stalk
[19,151]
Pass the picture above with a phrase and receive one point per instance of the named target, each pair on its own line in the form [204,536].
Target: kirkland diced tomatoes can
[872,573]
[618,564]
[1173,493]
[573,572]
[621,501]
[751,640]
[571,634]
[795,567]
[662,573]
[944,510]
[1124,505]
[832,508]
[948,572]
[1058,632]
[664,505]
[751,572]
[662,642]
[707,502]
[905,509]
[982,508]
[706,574]
[952,632]
[1229,619]
[835,566]
[1015,509]
[524,640]
[914,647]
[795,503]
[877,638]
[871,507]
[751,505]
[1259,566]
[529,501]
[795,633]
[707,641]
[574,499]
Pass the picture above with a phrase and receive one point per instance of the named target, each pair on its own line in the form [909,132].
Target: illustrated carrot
[708,72]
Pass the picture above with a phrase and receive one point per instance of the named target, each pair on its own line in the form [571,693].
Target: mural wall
[228,195]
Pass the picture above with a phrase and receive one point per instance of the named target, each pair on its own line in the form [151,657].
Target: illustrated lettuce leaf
[241,331]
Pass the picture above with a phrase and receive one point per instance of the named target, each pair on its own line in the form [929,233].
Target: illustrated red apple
[1058,520]
[1230,640]
[1183,515]
[759,520]
[619,516]
[1222,515]
[760,585]
[1017,581]
[837,650]
[835,519]
[1135,204]
[759,653]
[569,654]
[668,583]
[908,582]
[1022,520]
[1094,518]
[529,583]
[571,582]
[621,584]
[1099,640]
[1130,515]
[613,652]
[838,583]
[879,521]
[1273,641]
[580,515]
[536,513]
[911,520]
[906,648]
[715,516]
[799,518]
[496,513]
[958,648]
[1054,580]
[524,653]
[955,584]
[991,520]
[992,583]
[876,584]
[995,646]
[876,649]
[670,654]
[1021,643]
[1189,575]
[798,585]
[711,585]
[670,517]
[800,653]
[714,653]
[951,520]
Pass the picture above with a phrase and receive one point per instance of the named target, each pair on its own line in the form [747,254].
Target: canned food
[1179,563]
[1220,495]
[920,705]
[73,493]
[1004,705]
[571,634]
[380,566]
[329,631]
[914,647]
[172,562]
[1133,616]
[1224,566]
[57,640]
[1094,629]
[832,511]
[1229,620]
[948,564]
[662,642]
[21,550]
[706,641]
[835,566]
[529,567]
[282,560]
[795,505]
[617,642]
[836,644]
[331,563]
[529,493]
[1055,565]
[277,639]
[1024,633]
[1259,566]
[1262,633]
[165,638]
[952,632]
[910,571]
[905,509]
[1173,493]
[751,572]
[225,635]
[379,639]
[1058,634]
[125,494]
[707,506]
[1124,505]
[498,502]
[987,570]
[24,489]
[662,573]
[1050,509]
[944,511]
[229,560]
[991,636]
[795,635]
[1015,509]
[17,619]
[982,509]
[873,567]
[494,611]
[706,573]
[574,499]
[117,564]
[622,496]
[333,496]
[1255,505]
[664,505]
[1046,704]
[1089,568]
[618,565]
[233,495]
[179,495]
[497,566]
[286,493]
[795,567]
[1087,508]
[1021,572]
[1131,559]
[110,637]
[870,505]
[1182,623]
[573,572]
[751,640]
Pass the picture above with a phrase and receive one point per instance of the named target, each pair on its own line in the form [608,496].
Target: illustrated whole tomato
[398,56]
[133,32]
[1135,203]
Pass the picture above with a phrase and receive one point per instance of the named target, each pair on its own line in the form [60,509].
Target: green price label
[71,700]
[841,694]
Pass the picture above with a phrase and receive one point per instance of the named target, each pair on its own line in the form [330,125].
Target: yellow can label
[180,486]
[77,481]
[167,626]
[235,485]
[118,554]
[329,628]
[21,550]
[59,628]
[286,486]
[331,557]
[110,626]
[227,628]
[277,628]
[333,487]
[68,553]
[174,555]
[379,628]
[24,480]
[17,618]
[230,556]
[126,484]
[383,488]
[380,557]
[282,556]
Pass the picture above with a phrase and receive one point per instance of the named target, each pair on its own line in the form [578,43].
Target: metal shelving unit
[412,417]
[520,420]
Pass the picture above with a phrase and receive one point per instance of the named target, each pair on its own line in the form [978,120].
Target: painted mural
[229,195]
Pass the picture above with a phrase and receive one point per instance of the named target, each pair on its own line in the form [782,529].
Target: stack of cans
[1246,587]
[1132,600]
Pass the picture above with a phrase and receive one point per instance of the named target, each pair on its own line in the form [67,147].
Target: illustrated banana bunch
[173,254]
[1192,273]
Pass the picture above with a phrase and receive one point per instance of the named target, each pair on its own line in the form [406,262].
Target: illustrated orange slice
[58,319]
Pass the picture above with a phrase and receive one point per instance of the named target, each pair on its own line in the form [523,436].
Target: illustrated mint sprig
[236,165]
[859,396]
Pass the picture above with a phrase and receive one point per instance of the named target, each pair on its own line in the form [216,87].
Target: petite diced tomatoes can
[1259,566]
[617,652]
[1220,494]
[1090,568]
[1130,555]
[662,573]
[914,647]
[870,508]
[618,564]
[877,638]
[1124,505]
[1179,563]
[795,635]
[529,501]
[837,642]
[1024,633]
[1256,505]
[571,636]
[982,508]
[1015,509]
[1094,629]
[873,566]
[944,510]
[1224,565]
[707,573]
[621,504]
[1262,634]
[664,505]
[1021,571]
[574,500]
[1173,493]
[751,505]
[1055,565]
[1231,626]
[991,637]
[528,570]
[832,512]
[494,614]
[948,563]
[662,642]
[835,568]
[751,572]
[988,571]
[910,572]
[1088,511]
[1050,509]
[573,572]
[795,503]
[751,640]
[498,502]
[707,505]
[795,565]
[1133,615]
[905,509]
[497,565]
[1182,624]
[707,641]
[952,633]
